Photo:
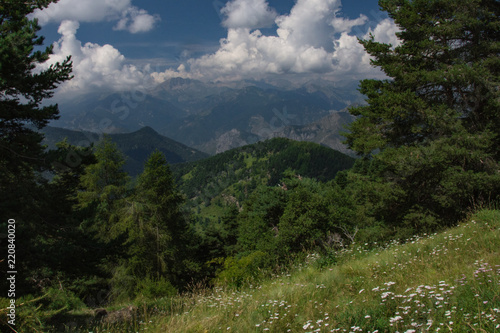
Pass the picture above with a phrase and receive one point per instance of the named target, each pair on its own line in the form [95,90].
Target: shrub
[155,288]
[238,272]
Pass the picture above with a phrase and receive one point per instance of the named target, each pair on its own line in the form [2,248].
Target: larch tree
[155,229]
[103,191]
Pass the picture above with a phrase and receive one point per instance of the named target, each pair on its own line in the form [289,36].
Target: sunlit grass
[442,282]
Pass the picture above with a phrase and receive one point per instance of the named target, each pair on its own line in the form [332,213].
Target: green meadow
[447,281]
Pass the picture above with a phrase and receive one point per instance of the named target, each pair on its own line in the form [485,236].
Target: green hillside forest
[278,236]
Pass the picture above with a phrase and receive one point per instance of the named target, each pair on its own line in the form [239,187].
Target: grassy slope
[446,281]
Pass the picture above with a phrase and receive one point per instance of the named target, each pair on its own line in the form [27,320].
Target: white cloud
[94,66]
[341,24]
[312,38]
[350,58]
[82,11]
[308,23]
[251,14]
[385,32]
[136,20]
[129,17]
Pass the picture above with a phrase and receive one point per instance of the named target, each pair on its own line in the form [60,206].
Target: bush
[59,299]
[151,288]
[248,269]
[29,315]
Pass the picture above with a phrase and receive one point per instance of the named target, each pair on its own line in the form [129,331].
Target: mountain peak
[147,130]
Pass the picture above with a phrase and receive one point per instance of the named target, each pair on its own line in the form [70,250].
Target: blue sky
[117,44]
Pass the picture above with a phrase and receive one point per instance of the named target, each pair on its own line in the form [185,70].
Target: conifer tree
[103,191]
[432,126]
[156,235]
[22,90]
[155,230]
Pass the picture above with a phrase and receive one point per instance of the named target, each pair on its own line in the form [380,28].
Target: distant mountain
[252,114]
[234,174]
[211,117]
[192,96]
[326,131]
[116,112]
[137,146]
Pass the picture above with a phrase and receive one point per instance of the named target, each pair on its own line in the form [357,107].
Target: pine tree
[431,129]
[159,228]
[22,90]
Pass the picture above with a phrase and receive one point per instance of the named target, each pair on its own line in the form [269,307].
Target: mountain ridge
[211,117]
[136,146]
[235,173]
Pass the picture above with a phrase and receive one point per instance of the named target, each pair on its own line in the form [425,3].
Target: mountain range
[213,117]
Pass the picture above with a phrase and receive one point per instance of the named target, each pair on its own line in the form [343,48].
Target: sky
[125,44]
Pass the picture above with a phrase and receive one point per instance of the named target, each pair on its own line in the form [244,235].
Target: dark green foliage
[23,191]
[21,92]
[260,218]
[217,239]
[62,230]
[154,221]
[299,215]
[435,122]
[306,218]
[155,288]
[244,270]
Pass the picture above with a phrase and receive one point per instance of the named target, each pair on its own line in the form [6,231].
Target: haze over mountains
[214,117]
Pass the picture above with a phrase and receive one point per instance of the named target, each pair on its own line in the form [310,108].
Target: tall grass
[448,281]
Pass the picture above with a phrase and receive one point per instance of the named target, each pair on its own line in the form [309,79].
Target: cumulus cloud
[312,38]
[385,32]
[129,17]
[307,23]
[82,11]
[341,24]
[94,66]
[251,14]
[136,20]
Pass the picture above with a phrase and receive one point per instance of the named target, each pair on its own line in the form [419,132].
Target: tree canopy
[432,126]
[23,87]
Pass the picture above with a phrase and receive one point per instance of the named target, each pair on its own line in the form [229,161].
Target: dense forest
[91,236]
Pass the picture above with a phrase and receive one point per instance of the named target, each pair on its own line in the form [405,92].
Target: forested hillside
[236,173]
[445,281]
